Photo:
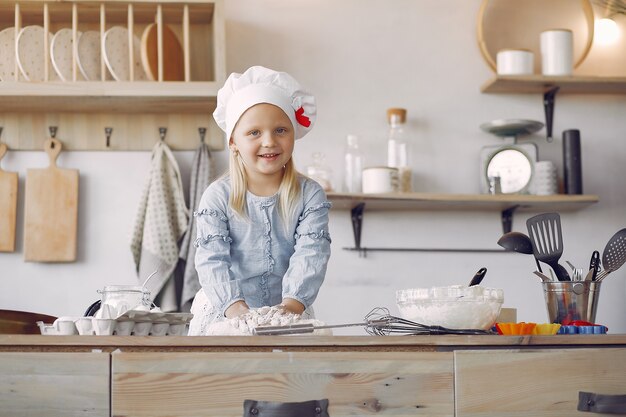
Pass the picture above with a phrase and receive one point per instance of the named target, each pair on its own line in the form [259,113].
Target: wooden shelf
[108,97]
[462,202]
[567,85]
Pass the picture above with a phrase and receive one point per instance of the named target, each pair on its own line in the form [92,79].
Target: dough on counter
[263,316]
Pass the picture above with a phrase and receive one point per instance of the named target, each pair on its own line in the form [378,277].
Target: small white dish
[30,53]
[65,326]
[84,325]
[103,327]
[88,58]
[116,55]
[7,54]
[61,51]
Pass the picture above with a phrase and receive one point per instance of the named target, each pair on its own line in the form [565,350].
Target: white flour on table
[263,316]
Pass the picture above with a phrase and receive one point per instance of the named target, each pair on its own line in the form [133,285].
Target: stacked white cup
[545,180]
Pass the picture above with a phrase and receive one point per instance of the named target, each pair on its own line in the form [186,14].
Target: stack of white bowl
[545,180]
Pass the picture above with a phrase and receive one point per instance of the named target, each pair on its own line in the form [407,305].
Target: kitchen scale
[512,162]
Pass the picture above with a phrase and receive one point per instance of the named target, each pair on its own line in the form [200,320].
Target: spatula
[614,255]
[546,237]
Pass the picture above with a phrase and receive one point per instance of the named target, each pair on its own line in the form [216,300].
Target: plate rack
[134,108]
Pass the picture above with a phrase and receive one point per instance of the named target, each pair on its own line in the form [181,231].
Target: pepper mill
[572,163]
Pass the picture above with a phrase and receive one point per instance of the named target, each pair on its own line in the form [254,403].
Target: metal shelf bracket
[549,97]
[507,219]
[356,214]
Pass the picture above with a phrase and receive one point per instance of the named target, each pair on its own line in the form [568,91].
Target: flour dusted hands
[236,309]
[289,305]
[245,323]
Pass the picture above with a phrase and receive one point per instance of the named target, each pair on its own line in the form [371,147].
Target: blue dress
[260,259]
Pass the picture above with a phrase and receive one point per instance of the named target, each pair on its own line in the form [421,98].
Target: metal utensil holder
[571,300]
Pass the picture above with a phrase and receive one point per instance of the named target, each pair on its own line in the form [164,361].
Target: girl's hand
[236,309]
[292,306]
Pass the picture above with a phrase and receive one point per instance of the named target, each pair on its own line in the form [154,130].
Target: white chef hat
[263,85]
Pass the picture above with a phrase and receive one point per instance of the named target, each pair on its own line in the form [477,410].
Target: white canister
[557,52]
[545,179]
[515,62]
[377,180]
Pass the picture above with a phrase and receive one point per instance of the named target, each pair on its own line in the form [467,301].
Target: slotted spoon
[614,255]
[546,237]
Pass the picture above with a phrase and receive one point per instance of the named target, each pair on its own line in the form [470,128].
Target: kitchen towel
[202,172]
[161,222]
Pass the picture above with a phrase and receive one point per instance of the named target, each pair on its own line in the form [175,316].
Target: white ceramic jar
[378,180]
[557,52]
[515,62]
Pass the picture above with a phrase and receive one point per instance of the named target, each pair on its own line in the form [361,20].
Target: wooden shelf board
[109,96]
[462,202]
[568,85]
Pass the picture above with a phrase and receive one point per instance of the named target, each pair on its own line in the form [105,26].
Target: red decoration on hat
[301,118]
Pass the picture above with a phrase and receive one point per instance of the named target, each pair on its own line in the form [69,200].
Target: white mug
[377,180]
[557,52]
[515,62]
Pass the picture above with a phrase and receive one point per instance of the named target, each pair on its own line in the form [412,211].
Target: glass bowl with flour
[454,307]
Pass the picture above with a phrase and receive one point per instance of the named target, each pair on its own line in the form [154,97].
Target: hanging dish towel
[161,222]
[201,175]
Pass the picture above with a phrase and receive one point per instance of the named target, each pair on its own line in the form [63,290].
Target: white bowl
[453,307]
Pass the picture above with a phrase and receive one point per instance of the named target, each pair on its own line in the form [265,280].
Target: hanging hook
[53,131]
[162,133]
[108,131]
[202,131]
[1,131]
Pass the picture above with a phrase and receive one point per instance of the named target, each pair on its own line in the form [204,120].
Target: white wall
[360,57]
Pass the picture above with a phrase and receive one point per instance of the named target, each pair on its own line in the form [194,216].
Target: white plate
[30,52]
[89,55]
[116,54]
[61,54]
[7,54]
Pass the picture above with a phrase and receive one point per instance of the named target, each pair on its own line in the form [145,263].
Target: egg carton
[130,323]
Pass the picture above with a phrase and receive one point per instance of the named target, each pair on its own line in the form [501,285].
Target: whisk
[377,322]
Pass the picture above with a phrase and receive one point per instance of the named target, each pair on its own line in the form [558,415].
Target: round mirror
[514,168]
[506,24]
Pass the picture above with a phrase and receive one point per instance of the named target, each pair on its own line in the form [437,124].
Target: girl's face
[264,137]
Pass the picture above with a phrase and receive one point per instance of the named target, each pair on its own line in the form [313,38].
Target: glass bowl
[453,307]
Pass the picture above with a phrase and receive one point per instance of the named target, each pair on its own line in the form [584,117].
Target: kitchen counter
[542,376]
[302,343]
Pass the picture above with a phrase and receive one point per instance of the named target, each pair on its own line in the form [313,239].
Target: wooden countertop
[22,343]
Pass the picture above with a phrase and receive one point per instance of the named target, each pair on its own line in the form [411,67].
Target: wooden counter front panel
[54,384]
[538,383]
[216,384]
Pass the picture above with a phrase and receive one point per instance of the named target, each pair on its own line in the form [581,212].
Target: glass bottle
[353,167]
[398,148]
[320,172]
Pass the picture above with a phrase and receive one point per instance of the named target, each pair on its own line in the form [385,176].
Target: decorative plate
[61,54]
[7,54]
[89,55]
[30,52]
[173,55]
[116,55]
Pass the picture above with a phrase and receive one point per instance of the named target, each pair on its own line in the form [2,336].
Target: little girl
[263,227]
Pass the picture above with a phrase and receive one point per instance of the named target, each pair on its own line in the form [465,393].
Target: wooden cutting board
[173,58]
[51,211]
[8,206]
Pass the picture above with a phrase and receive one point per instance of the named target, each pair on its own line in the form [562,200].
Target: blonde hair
[288,192]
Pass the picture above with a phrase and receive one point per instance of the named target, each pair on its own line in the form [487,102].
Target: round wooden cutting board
[173,60]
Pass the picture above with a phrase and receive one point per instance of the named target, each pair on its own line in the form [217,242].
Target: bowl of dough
[452,307]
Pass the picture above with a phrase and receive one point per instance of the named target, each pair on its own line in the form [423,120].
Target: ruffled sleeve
[307,266]
[212,258]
